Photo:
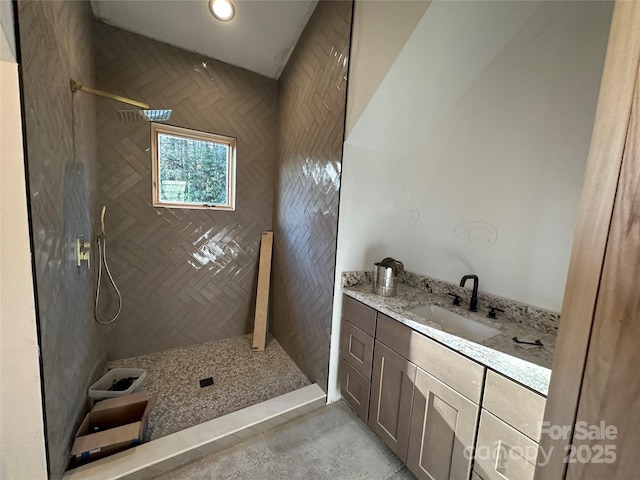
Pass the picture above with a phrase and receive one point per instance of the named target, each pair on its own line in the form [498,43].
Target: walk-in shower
[186,277]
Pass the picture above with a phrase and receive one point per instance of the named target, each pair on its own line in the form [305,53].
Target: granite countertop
[527,364]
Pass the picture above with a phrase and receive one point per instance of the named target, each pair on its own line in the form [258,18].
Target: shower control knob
[83,252]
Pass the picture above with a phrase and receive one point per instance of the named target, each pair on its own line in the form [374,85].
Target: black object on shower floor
[206,382]
[122,384]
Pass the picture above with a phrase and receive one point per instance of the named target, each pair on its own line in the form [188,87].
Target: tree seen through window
[192,169]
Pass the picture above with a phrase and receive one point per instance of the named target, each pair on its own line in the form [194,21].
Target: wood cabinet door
[355,389]
[391,393]
[443,428]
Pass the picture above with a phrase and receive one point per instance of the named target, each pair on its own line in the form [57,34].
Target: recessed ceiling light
[223,10]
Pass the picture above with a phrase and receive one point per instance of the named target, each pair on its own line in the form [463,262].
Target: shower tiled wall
[186,276]
[56,44]
[311,109]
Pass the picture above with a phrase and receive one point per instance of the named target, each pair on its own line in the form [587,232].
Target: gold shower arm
[76,86]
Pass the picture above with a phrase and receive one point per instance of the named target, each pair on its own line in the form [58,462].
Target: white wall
[380,30]
[22,450]
[511,152]
[481,126]
[451,45]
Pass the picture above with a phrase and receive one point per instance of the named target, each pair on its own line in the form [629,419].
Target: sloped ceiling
[260,38]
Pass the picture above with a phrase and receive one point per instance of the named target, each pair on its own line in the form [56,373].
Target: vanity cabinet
[509,431]
[424,401]
[463,375]
[428,403]
[356,354]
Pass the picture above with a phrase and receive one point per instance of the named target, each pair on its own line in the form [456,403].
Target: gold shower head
[144,115]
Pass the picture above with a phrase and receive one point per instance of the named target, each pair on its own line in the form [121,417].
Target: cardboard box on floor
[118,424]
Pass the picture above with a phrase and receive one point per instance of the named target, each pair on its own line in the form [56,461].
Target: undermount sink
[454,323]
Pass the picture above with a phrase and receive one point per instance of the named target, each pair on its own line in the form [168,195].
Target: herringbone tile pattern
[311,109]
[186,276]
[56,45]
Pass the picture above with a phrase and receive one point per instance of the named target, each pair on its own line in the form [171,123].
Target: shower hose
[102,259]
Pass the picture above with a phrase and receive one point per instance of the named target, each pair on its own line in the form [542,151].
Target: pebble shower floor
[241,378]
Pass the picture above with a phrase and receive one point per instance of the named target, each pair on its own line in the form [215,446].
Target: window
[192,169]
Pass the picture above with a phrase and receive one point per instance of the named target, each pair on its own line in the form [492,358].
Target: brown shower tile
[311,109]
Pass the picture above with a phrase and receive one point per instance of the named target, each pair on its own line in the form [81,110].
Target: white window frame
[230,142]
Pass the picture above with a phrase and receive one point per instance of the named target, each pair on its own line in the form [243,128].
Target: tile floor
[241,378]
[329,443]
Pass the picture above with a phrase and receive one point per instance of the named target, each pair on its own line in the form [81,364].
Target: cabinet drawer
[460,373]
[357,349]
[502,452]
[355,390]
[516,405]
[359,314]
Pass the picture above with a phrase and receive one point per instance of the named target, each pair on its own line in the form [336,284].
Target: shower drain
[206,382]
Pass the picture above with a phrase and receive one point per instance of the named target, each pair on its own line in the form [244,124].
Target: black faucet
[473,304]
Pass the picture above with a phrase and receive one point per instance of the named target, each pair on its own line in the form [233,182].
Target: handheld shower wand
[102,259]
[104,212]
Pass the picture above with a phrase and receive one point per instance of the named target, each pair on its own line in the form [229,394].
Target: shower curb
[167,453]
